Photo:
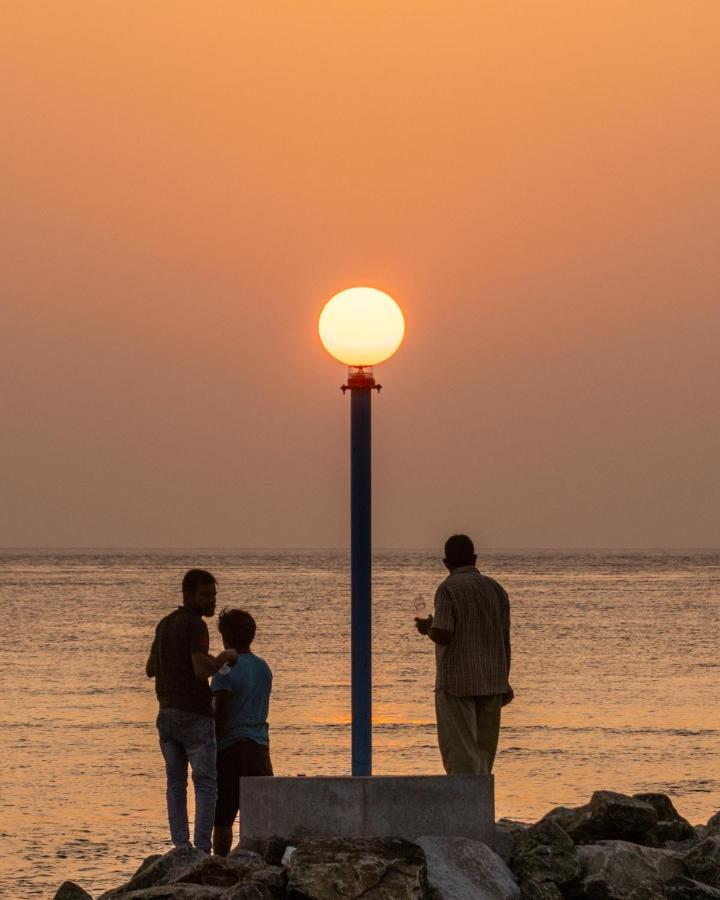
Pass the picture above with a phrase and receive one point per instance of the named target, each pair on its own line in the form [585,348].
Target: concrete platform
[403,806]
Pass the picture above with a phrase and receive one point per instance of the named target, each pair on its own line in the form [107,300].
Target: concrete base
[302,808]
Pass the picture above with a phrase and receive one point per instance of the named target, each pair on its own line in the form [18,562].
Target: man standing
[471,631]
[180,663]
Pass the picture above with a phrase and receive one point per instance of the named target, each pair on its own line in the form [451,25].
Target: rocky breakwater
[615,847]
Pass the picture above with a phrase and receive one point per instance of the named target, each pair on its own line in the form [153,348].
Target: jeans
[188,737]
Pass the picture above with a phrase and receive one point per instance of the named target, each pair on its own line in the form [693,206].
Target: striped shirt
[476,610]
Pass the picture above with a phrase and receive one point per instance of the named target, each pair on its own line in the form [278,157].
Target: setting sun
[361,326]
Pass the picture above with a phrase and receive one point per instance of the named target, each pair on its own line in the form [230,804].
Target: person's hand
[229,656]
[508,696]
[423,625]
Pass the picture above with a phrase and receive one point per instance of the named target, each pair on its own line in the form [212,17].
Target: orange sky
[184,184]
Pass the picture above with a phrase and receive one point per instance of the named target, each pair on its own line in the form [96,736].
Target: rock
[703,861]
[374,868]
[545,852]
[662,805]
[688,889]
[713,824]
[670,826]
[612,870]
[163,870]
[148,861]
[561,815]
[545,890]
[611,816]
[68,890]
[222,871]
[273,877]
[507,832]
[271,849]
[462,869]
[176,892]
[248,890]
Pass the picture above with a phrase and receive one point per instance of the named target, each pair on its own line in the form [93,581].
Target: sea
[615,669]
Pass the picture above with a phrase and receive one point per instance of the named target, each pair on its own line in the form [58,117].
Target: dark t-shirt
[177,637]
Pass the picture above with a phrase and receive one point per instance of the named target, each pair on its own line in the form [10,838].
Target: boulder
[176,892]
[507,832]
[611,816]
[545,852]
[613,870]
[162,870]
[273,877]
[540,890]
[713,824]
[688,889]
[248,890]
[671,826]
[271,848]
[662,805]
[561,815]
[461,869]
[222,871]
[703,861]
[68,890]
[381,868]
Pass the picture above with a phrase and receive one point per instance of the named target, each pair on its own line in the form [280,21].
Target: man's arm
[151,664]
[221,702]
[205,665]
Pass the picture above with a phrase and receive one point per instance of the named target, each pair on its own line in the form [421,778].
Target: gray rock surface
[545,852]
[713,824]
[176,892]
[68,890]
[507,832]
[222,871]
[688,889]
[662,805]
[462,869]
[545,890]
[248,890]
[561,815]
[703,861]
[162,870]
[271,849]
[372,868]
[611,816]
[273,877]
[613,870]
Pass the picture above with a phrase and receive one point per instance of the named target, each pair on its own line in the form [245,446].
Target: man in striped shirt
[471,632]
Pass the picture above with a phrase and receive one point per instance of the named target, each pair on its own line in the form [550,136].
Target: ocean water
[615,670]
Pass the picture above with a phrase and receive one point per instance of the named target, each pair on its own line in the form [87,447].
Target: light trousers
[468,731]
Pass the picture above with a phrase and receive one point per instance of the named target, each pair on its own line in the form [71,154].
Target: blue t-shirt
[249,682]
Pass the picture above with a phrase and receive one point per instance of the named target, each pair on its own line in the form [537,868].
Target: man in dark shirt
[181,664]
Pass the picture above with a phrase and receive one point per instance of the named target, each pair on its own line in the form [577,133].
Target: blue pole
[361,563]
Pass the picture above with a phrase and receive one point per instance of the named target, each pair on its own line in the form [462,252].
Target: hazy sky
[183,185]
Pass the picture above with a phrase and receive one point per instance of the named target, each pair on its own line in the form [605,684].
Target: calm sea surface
[615,669]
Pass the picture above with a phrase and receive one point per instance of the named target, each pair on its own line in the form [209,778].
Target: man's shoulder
[495,585]
[181,617]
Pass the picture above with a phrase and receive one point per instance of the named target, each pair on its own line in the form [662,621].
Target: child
[241,697]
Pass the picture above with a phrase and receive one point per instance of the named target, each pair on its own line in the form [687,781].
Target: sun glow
[361,326]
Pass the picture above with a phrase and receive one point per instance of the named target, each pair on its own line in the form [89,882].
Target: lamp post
[361,327]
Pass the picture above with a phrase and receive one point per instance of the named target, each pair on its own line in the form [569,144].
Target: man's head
[237,628]
[459,551]
[199,590]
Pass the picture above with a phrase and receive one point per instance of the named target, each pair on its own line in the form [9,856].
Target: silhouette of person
[181,664]
[471,632]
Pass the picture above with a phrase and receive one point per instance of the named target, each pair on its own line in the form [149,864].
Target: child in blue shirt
[241,697]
